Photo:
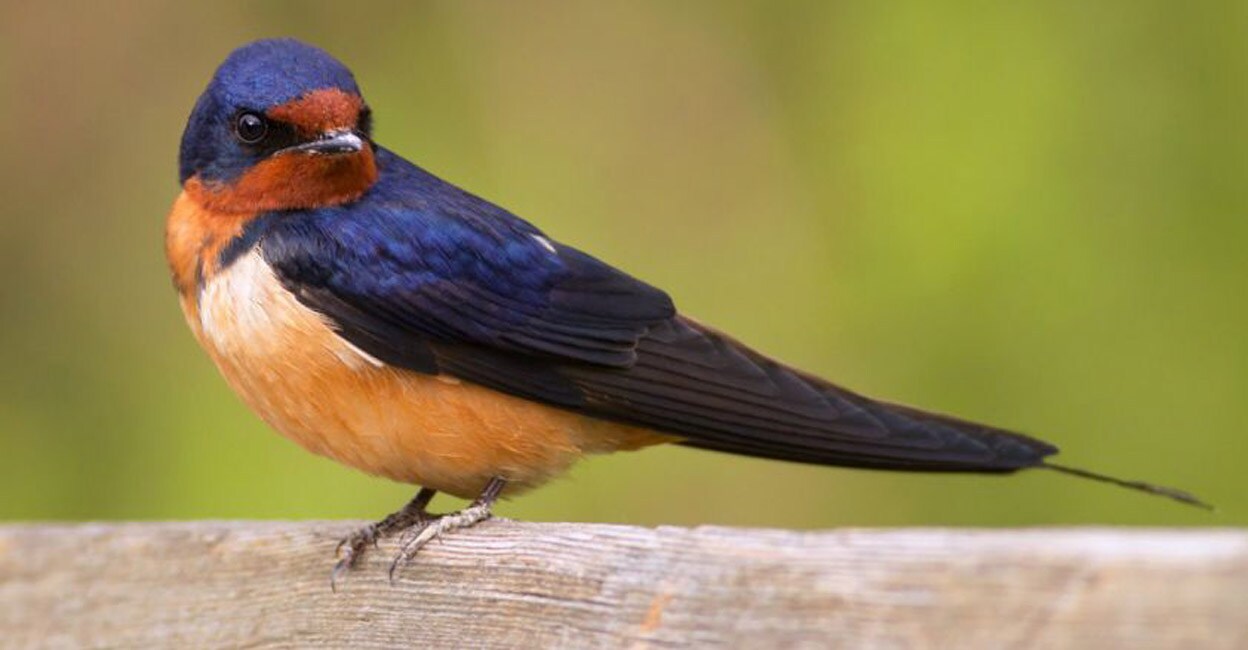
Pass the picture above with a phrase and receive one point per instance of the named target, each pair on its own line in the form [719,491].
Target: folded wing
[450,283]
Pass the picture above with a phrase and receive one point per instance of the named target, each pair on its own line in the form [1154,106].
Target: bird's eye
[251,128]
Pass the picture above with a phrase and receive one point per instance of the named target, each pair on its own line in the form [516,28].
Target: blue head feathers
[255,77]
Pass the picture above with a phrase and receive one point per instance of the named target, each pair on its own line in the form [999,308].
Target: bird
[385,318]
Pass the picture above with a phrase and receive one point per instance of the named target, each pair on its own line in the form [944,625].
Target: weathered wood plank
[509,584]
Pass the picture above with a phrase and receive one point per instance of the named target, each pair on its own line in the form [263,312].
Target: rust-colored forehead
[320,111]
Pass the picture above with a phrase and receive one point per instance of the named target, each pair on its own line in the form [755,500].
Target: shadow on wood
[509,584]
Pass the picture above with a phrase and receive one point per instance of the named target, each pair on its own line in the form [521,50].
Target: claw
[354,544]
[415,539]
[418,526]
[339,568]
[357,542]
[394,566]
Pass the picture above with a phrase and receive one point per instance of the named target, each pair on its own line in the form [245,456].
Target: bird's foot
[352,547]
[416,537]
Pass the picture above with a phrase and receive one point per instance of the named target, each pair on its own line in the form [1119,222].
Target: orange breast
[331,398]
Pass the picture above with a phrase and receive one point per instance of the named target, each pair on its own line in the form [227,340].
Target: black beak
[331,143]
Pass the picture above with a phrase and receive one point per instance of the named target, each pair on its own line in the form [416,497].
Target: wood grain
[520,585]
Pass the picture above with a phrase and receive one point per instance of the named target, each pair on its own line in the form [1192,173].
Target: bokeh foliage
[1027,213]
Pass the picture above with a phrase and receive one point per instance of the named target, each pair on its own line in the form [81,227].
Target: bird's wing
[459,286]
[396,276]
[694,381]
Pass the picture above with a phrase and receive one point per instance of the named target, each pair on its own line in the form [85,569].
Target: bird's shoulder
[415,227]
[419,258]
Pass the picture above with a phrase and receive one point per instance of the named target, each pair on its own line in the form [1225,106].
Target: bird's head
[281,126]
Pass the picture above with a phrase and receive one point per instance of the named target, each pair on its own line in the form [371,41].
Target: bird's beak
[330,143]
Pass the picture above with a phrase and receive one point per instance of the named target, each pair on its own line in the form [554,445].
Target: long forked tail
[712,392]
[1159,490]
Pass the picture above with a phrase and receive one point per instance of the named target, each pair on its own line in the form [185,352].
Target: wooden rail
[519,585]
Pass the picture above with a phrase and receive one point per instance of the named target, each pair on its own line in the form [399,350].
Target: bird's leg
[474,514]
[412,514]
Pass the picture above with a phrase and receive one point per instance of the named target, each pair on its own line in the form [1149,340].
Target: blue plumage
[426,276]
[429,278]
[254,77]
[274,71]
[419,255]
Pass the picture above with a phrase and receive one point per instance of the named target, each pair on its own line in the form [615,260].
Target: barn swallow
[383,317]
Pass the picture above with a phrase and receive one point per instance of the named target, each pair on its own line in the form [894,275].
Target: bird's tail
[1029,453]
[713,392]
[1140,486]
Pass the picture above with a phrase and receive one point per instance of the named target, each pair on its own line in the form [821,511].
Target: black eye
[251,128]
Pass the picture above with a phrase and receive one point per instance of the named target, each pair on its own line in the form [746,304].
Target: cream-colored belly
[315,388]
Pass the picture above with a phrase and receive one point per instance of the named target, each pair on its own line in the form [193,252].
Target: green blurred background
[1031,214]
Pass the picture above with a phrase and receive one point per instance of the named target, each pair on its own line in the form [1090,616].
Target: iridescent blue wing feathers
[447,267]
[424,276]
